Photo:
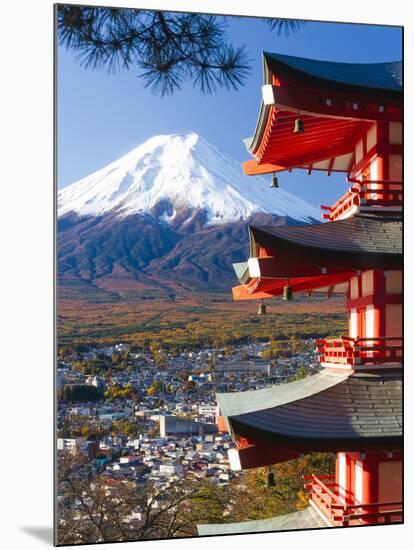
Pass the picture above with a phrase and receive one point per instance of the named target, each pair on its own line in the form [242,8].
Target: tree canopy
[168,48]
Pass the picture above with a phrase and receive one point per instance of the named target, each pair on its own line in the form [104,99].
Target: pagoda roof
[378,76]
[304,519]
[358,410]
[358,235]
[237,403]
[317,257]
[337,103]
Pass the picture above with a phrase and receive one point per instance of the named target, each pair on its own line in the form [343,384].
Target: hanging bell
[270,479]
[275,183]
[299,126]
[287,293]
[262,309]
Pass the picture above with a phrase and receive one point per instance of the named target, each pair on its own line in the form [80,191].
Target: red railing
[323,491]
[365,196]
[360,351]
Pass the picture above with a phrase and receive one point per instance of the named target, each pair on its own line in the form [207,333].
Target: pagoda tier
[358,416]
[326,412]
[320,257]
[334,116]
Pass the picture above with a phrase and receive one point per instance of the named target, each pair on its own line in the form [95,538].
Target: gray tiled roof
[358,407]
[358,234]
[380,76]
[305,519]
[237,403]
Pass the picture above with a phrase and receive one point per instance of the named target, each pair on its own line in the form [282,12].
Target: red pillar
[382,157]
[379,306]
[370,485]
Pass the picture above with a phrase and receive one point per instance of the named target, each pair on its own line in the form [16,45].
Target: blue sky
[102,116]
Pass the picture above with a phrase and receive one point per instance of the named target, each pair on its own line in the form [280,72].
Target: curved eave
[359,409]
[327,143]
[319,438]
[234,404]
[253,142]
[340,123]
[260,289]
[368,236]
[374,77]
[317,256]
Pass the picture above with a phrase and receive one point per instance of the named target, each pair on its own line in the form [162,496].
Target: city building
[96,381]
[174,425]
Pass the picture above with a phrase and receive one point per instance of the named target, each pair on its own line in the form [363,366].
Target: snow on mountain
[187,172]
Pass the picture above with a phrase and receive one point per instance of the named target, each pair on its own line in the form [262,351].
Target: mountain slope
[171,173]
[171,214]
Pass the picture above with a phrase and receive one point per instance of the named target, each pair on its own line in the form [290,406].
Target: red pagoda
[331,117]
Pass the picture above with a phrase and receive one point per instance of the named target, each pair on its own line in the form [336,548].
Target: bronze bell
[275,183]
[270,479]
[299,126]
[287,293]
[262,309]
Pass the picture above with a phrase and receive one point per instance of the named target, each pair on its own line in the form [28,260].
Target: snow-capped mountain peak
[186,172]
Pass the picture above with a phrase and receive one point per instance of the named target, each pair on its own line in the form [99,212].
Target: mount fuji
[172,213]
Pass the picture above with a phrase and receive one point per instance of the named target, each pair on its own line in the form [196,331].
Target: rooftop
[323,407]
[305,519]
[359,234]
[380,76]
